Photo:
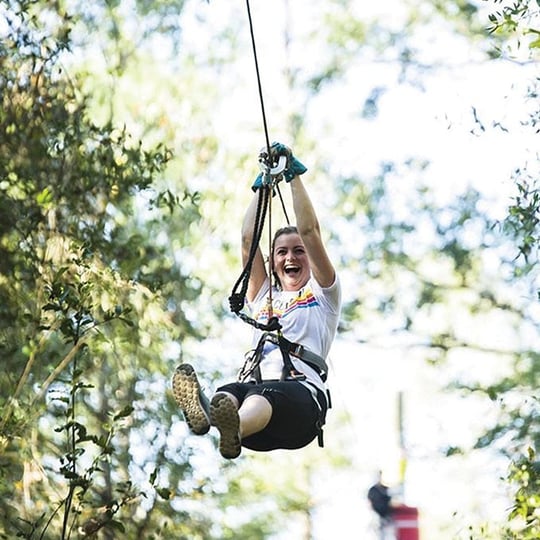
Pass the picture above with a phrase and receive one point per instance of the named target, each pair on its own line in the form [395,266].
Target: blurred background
[129,142]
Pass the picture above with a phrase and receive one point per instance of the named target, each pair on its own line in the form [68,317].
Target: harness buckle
[293,375]
[297,350]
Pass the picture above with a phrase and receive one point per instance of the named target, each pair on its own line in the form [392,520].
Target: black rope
[252,33]
[237,299]
[283,204]
[261,99]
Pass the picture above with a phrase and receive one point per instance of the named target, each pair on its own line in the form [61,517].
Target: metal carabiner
[277,168]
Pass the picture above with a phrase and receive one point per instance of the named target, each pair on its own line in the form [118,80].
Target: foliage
[518,424]
[519,406]
[518,419]
[523,221]
[524,518]
[77,289]
[517,20]
[515,27]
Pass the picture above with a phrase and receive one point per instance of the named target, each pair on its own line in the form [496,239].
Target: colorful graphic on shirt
[282,308]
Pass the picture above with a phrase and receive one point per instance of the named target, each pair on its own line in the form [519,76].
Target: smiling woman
[280,399]
[289,259]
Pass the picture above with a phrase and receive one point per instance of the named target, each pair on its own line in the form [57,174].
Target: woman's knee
[255,413]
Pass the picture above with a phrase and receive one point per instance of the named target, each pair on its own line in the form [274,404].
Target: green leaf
[126,411]
[164,493]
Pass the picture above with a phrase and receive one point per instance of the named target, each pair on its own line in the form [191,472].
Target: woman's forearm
[306,218]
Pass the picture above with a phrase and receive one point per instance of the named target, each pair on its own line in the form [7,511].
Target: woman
[271,410]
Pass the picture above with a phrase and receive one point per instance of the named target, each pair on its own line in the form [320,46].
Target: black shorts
[295,420]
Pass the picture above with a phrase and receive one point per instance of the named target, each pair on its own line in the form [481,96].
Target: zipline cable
[259,84]
[261,99]
[267,140]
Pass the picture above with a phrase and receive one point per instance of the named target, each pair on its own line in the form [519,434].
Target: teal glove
[258,182]
[293,168]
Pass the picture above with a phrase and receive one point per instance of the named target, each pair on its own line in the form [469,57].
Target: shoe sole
[186,391]
[224,416]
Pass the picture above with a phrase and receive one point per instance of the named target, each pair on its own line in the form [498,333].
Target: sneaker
[190,398]
[224,416]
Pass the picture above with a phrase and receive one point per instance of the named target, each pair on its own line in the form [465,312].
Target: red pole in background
[406,522]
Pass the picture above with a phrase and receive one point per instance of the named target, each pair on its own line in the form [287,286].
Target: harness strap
[309,357]
[315,392]
[289,371]
[287,348]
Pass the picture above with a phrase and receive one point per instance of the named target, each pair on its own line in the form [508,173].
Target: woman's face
[291,262]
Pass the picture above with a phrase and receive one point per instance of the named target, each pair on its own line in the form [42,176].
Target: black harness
[251,371]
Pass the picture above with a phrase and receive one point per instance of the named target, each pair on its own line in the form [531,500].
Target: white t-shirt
[309,317]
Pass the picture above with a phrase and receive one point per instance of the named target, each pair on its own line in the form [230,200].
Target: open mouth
[292,270]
